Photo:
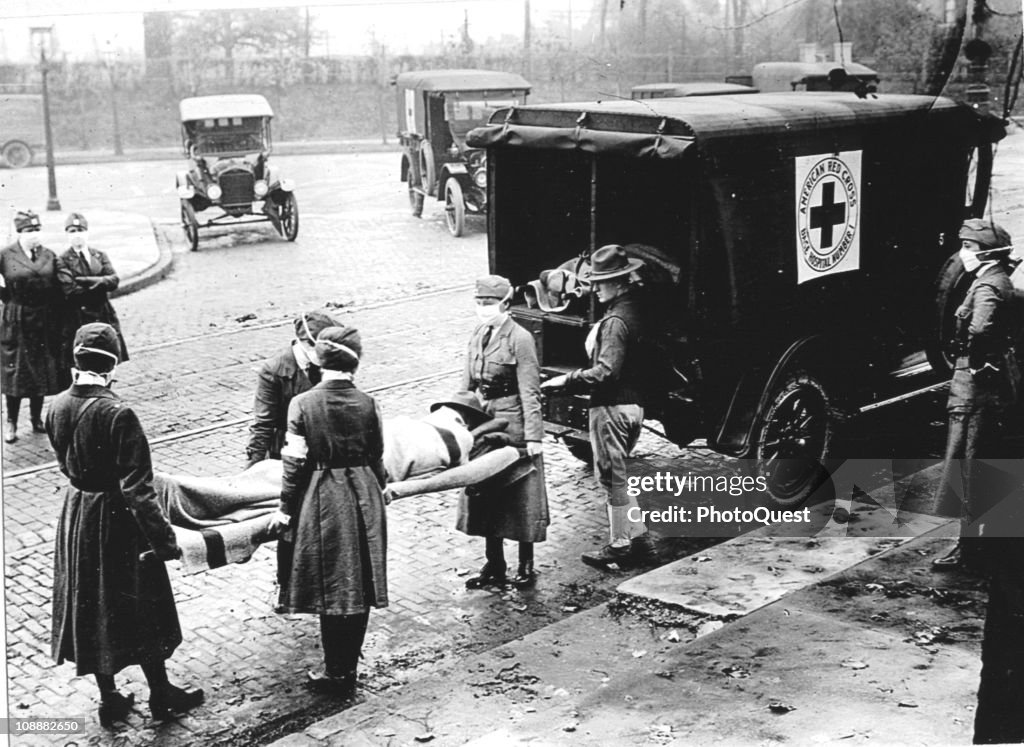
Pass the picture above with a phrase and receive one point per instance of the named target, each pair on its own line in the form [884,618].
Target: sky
[83,28]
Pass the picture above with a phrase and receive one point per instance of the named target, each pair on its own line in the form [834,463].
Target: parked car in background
[786,293]
[21,128]
[813,76]
[698,88]
[227,141]
[436,109]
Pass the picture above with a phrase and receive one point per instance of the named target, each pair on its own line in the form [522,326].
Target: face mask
[488,313]
[85,378]
[78,239]
[970,260]
[29,240]
[313,357]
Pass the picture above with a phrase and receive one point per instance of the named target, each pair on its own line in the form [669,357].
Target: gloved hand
[163,554]
[555,382]
[279,522]
[388,496]
[985,373]
[534,448]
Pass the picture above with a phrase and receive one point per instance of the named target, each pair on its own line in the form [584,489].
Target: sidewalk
[170,153]
[778,641]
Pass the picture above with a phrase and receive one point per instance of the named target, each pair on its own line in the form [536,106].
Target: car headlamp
[260,188]
[480,178]
[214,192]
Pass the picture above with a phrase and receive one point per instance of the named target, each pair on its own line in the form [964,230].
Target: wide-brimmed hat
[989,235]
[26,219]
[309,326]
[611,261]
[493,286]
[76,220]
[339,348]
[467,405]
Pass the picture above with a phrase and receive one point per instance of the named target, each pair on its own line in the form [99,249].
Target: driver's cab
[229,127]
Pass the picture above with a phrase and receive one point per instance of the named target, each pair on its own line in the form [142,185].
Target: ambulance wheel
[17,154]
[412,178]
[950,290]
[428,173]
[454,208]
[580,449]
[794,439]
[190,224]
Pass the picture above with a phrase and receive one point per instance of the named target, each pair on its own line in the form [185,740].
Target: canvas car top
[461,80]
[693,88]
[801,70]
[226,105]
[667,126]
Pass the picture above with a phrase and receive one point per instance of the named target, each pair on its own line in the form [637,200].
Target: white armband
[294,446]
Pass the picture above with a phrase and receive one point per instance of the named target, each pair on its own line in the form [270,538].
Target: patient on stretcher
[221,520]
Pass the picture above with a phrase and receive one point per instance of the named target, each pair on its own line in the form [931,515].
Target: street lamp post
[44,35]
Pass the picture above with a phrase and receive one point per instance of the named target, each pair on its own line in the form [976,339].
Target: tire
[794,440]
[412,178]
[454,208]
[290,217]
[17,154]
[190,224]
[580,449]
[951,288]
[428,174]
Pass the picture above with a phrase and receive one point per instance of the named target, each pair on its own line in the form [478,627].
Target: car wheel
[428,175]
[580,449]
[951,288]
[17,154]
[794,440]
[290,217]
[191,225]
[454,208]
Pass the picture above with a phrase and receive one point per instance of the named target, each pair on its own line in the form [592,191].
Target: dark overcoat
[86,285]
[508,363]
[334,496]
[279,381]
[31,327]
[110,609]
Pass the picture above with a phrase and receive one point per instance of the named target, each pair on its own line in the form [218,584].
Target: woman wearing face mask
[31,327]
[984,386]
[86,279]
[502,368]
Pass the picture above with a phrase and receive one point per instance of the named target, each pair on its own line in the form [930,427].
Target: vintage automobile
[436,108]
[21,128]
[792,242]
[696,88]
[813,76]
[227,141]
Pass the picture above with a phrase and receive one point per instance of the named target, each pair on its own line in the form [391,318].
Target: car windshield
[226,135]
[465,114]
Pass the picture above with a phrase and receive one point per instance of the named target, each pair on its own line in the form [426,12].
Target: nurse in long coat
[111,608]
[332,504]
[502,369]
[86,278]
[31,325]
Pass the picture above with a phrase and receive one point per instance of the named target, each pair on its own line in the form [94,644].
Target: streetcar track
[233,423]
[289,319]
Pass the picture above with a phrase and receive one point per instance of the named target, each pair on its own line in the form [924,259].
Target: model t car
[791,244]
[227,141]
[436,109]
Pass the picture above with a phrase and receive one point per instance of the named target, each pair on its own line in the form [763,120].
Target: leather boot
[489,575]
[115,707]
[343,685]
[526,577]
[951,560]
[10,432]
[38,427]
[174,701]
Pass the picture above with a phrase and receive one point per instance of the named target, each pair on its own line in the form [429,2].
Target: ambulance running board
[901,397]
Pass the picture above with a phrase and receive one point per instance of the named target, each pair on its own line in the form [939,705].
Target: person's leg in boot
[12,405]
[113,705]
[493,572]
[342,638]
[166,700]
[525,577]
[35,411]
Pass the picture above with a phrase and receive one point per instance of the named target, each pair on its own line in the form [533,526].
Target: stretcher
[222,520]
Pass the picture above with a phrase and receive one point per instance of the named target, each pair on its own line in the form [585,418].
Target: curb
[152,274]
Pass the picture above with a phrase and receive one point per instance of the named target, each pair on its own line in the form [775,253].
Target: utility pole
[526,39]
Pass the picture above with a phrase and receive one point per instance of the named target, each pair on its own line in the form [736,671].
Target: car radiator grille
[236,187]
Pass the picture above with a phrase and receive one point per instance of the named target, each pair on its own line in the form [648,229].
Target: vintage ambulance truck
[794,247]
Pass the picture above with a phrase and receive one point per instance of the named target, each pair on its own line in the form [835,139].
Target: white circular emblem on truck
[828,214]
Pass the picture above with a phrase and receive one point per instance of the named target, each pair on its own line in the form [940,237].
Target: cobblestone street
[195,340]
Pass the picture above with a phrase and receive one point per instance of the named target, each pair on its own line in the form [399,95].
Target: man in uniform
[616,403]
